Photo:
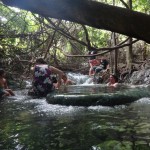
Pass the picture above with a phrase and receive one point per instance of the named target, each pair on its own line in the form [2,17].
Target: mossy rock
[104,99]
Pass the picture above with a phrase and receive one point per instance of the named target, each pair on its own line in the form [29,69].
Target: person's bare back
[4,90]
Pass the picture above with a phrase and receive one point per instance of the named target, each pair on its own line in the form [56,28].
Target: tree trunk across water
[91,13]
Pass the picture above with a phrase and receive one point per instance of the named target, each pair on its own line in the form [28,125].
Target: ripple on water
[144,100]
[43,107]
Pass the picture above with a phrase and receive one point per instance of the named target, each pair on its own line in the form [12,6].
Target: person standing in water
[42,81]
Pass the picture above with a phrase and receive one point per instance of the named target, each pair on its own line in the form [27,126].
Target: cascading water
[80,78]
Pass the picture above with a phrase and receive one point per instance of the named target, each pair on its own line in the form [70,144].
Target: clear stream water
[33,124]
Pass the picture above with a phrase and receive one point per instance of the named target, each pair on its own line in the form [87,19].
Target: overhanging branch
[106,50]
[91,13]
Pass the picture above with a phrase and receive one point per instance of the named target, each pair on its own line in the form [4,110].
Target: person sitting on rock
[92,62]
[104,66]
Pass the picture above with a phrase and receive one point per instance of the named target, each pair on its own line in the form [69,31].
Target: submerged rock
[104,99]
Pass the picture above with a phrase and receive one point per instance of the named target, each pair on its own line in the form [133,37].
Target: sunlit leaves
[142,6]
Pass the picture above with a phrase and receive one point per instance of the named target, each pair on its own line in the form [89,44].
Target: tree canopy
[91,13]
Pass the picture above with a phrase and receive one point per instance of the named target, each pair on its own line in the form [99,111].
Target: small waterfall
[80,78]
[75,77]
[89,81]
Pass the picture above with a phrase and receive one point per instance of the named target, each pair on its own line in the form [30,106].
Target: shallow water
[92,89]
[33,124]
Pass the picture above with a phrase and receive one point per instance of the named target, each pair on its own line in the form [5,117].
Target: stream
[33,124]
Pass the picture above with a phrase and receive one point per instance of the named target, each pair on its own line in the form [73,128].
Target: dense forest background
[24,36]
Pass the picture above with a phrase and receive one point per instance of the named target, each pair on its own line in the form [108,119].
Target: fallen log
[104,99]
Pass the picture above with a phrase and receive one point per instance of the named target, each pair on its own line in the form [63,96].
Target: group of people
[101,64]
[97,64]
[43,82]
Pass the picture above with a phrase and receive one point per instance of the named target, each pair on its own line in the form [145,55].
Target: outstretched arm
[107,67]
[5,84]
[60,74]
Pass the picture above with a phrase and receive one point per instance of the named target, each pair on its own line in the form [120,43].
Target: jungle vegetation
[64,40]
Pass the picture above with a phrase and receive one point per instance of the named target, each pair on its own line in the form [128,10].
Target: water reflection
[33,124]
[92,89]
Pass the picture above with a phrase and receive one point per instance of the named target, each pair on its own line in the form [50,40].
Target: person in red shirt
[92,62]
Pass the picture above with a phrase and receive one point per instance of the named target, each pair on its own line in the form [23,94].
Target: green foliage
[116,145]
[142,6]
[99,38]
[27,36]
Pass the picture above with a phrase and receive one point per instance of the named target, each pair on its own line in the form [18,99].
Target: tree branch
[107,50]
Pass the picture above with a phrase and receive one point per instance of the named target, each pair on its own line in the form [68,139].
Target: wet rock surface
[140,77]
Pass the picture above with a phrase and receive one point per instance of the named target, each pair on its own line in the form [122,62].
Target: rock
[140,77]
[104,99]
